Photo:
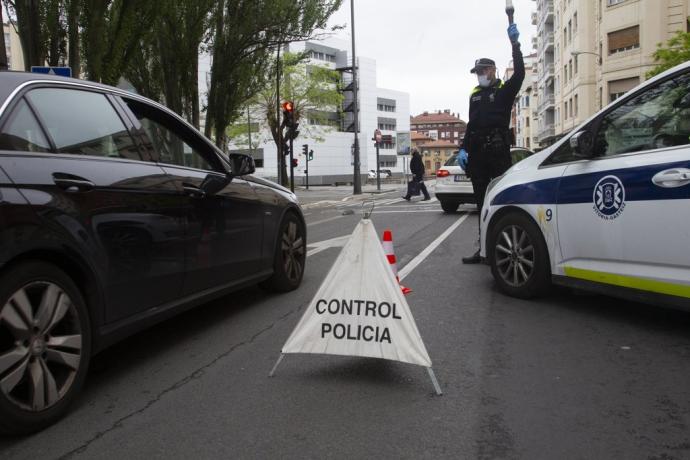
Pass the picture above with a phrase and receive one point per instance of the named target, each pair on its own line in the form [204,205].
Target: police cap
[482,63]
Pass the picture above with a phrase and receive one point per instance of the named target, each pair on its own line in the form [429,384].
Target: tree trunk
[30,33]
[212,105]
[73,37]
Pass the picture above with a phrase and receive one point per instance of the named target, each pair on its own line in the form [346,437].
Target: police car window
[83,123]
[22,131]
[167,141]
[655,119]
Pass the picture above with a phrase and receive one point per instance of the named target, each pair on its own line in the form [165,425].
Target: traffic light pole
[292,169]
[356,179]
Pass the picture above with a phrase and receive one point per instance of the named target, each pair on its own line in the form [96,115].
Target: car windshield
[452,161]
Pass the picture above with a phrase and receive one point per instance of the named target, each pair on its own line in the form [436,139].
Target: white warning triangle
[359,309]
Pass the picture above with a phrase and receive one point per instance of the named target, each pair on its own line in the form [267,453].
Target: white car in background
[607,208]
[454,188]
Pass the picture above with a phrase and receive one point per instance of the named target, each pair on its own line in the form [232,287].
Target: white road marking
[323,221]
[407,269]
[337,242]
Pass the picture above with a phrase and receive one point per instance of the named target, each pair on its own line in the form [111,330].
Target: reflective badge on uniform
[609,198]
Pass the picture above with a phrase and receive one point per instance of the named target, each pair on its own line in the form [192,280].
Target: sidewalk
[344,193]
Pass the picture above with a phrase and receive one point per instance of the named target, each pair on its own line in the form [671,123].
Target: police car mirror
[581,143]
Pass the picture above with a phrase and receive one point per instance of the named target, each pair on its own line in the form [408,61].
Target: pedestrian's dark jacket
[417,167]
[490,107]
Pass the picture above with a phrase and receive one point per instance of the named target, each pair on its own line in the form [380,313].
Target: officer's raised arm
[514,83]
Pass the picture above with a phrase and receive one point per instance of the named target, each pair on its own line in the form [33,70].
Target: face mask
[484,81]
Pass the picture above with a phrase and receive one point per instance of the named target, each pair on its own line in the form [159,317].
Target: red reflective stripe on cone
[392,261]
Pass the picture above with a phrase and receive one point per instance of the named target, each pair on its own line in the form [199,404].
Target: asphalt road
[570,376]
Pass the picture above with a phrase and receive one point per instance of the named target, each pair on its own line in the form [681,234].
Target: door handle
[71,183]
[670,178]
[193,191]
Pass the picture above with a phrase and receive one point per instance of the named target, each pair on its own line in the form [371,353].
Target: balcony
[535,18]
[545,16]
[545,132]
[545,43]
[546,102]
[546,71]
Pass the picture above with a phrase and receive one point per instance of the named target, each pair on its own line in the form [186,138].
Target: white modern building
[378,108]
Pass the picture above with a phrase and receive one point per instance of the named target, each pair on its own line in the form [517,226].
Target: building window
[624,40]
[614,2]
[570,114]
[565,110]
[576,105]
[618,88]
[575,62]
[570,69]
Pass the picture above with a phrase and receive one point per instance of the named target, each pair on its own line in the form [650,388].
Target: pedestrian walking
[485,150]
[417,183]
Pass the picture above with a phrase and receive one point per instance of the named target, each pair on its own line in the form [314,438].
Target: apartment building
[524,115]
[13,48]
[590,52]
[441,125]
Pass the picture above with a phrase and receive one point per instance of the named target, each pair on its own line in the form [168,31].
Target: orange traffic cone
[390,254]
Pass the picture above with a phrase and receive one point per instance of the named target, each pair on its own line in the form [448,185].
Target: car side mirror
[214,183]
[582,144]
[241,164]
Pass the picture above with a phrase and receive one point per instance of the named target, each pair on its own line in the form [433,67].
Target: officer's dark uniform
[487,138]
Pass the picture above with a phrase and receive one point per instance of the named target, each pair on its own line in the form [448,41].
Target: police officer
[485,150]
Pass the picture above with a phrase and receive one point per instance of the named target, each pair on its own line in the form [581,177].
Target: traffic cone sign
[390,254]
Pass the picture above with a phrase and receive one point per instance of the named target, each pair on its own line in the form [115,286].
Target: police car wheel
[45,345]
[518,256]
[290,256]
[449,206]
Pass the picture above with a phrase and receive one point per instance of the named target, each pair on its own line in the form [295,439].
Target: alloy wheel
[293,248]
[514,256]
[40,346]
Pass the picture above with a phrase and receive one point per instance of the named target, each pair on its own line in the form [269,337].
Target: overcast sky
[427,48]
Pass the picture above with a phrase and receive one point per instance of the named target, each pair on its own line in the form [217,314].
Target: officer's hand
[462,159]
[513,33]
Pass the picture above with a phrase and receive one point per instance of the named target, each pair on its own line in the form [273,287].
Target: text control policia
[353,307]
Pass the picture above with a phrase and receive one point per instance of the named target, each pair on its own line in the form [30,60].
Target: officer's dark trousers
[486,163]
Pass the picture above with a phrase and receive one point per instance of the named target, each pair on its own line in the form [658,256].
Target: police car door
[624,215]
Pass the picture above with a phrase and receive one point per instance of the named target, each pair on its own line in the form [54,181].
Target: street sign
[403,143]
[59,71]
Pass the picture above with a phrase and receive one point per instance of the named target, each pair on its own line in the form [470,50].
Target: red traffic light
[294,162]
[288,106]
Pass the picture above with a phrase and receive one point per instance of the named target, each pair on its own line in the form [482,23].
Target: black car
[115,214]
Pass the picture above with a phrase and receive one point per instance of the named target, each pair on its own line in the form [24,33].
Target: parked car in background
[385,173]
[116,214]
[453,186]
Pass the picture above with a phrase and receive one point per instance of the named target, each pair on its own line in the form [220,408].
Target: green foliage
[246,34]
[676,51]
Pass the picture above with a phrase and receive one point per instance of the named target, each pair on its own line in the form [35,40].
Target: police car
[607,208]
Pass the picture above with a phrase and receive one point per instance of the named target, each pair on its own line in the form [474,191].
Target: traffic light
[305,149]
[286,146]
[311,155]
[294,162]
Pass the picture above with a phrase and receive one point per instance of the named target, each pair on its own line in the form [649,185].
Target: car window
[83,123]
[452,161]
[22,131]
[168,141]
[517,155]
[657,118]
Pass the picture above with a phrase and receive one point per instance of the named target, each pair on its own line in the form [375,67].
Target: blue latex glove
[513,33]
[462,159]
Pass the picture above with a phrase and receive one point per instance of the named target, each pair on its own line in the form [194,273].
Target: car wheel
[290,256]
[45,343]
[449,206]
[518,256]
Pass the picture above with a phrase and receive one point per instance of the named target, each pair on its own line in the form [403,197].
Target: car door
[68,150]
[224,215]
[623,215]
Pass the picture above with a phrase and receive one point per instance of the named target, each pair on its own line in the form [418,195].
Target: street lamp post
[377,143]
[356,180]
[577,53]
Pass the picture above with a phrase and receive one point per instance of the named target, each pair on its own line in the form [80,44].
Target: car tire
[519,257]
[290,256]
[449,206]
[45,346]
